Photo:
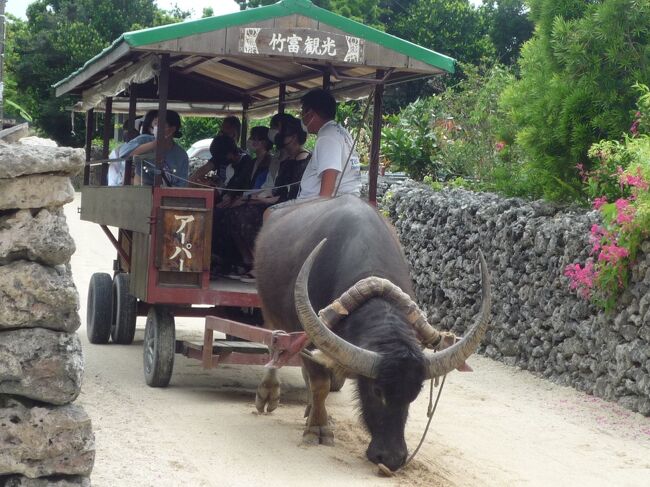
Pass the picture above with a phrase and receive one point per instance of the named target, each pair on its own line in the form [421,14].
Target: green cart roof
[207,49]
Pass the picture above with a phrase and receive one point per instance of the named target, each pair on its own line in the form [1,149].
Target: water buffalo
[359,279]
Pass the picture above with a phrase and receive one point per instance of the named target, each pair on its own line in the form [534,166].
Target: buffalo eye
[379,394]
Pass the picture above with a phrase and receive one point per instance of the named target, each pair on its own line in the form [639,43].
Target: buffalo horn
[451,358]
[357,360]
[377,287]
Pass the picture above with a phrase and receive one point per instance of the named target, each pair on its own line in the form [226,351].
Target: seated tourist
[231,126]
[227,169]
[260,146]
[278,156]
[245,221]
[176,163]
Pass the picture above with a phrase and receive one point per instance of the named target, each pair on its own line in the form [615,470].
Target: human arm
[328,182]
[330,165]
[199,175]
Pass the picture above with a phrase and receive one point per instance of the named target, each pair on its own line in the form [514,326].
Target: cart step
[221,346]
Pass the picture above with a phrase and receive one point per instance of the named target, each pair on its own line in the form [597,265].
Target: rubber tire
[336,383]
[124,311]
[159,347]
[98,309]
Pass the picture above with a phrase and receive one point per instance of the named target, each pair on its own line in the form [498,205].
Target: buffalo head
[387,357]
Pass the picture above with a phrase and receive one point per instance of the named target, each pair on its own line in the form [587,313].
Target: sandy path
[497,426]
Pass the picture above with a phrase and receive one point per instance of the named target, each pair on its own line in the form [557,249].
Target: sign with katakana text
[304,43]
[182,239]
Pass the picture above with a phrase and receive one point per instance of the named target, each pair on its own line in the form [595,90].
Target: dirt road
[497,426]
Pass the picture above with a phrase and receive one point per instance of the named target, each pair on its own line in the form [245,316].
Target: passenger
[147,122]
[215,171]
[116,168]
[176,162]
[334,163]
[259,144]
[238,169]
[237,175]
[231,126]
[245,221]
[230,168]
[274,128]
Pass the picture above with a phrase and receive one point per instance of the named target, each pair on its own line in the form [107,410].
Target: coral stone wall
[45,439]
[538,324]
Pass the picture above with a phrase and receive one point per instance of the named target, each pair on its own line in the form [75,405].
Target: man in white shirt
[334,163]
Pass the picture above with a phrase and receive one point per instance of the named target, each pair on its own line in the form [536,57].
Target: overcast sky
[18,7]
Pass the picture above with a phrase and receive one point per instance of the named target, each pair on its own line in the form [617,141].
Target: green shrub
[576,86]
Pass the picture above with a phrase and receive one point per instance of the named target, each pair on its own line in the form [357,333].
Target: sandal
[248,277]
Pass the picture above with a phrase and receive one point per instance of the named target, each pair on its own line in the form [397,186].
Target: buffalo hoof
[318,435]
[268,395]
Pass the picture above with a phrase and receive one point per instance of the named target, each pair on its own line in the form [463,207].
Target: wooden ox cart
[251,63]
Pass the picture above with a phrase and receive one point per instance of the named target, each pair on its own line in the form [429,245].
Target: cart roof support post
[281,96]
[108,128]
[163,93]
[133,101]
[327,83]
[244,124]
[373,171]
[90,118]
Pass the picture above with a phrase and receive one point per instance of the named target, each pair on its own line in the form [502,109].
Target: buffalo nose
[393,460]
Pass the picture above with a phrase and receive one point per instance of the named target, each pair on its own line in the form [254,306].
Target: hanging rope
[354,144]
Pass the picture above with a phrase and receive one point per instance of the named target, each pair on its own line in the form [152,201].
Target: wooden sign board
[182,240]
[302,43]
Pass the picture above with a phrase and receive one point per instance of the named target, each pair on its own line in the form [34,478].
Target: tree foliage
[457,134]
[508,27]
[576,86]
[58,37]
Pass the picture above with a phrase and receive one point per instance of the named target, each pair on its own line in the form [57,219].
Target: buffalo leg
[318,430]
[268,392]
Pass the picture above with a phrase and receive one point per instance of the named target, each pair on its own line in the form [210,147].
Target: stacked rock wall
[538,324]
[45,439]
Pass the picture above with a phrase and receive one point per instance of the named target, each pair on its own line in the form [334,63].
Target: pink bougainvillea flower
[581,278]
[622,204]
[499,146]
[599,202]
[624,211]
[634,181]
[612,253]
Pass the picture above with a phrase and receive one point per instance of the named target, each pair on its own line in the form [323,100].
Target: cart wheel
[124,311]
[98,312]
[159,347]
[336,382]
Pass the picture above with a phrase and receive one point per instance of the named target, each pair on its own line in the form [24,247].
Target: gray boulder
[39,441]
[57,481]
[41,364]
[32,295]
[41,237]
[35,191]
[23,159]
